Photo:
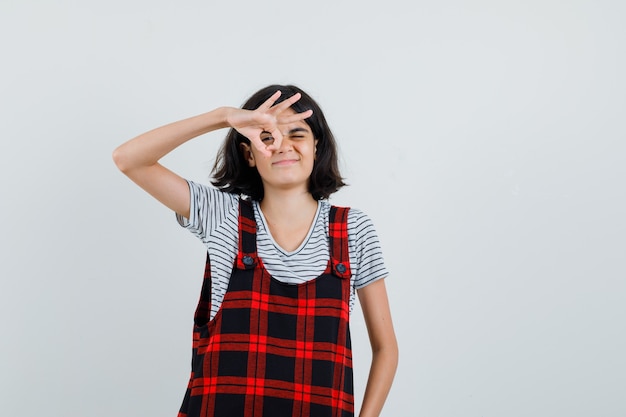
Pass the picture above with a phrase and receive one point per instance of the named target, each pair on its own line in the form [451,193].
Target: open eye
[267,138]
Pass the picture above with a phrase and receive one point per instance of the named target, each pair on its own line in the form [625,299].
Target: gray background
[485,139]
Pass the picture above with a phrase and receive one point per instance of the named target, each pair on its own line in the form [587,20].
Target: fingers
[260,142]
[278,140]
[269,107]
[268,116]
[261,147]
[284,105]
[270,101]
[295,117]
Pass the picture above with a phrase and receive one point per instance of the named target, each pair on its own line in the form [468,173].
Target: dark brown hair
[231,172]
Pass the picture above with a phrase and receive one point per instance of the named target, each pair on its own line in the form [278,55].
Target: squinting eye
[268,139]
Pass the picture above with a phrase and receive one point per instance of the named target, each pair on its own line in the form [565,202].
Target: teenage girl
[271,332]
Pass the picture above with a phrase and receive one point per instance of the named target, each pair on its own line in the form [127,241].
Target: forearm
[147,148]
[382,372]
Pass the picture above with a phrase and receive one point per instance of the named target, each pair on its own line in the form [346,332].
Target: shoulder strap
[246,255]
[338,241]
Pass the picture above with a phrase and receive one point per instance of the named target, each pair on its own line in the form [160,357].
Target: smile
[285,162]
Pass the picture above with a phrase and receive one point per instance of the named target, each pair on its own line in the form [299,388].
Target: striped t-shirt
[213,219]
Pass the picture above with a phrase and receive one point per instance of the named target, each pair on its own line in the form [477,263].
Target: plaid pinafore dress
[274,349]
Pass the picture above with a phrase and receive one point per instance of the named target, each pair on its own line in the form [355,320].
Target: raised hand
[265,119]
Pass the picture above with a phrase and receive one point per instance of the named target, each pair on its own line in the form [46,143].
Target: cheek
[308,148]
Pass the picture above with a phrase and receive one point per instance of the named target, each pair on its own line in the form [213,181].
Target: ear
[246,150]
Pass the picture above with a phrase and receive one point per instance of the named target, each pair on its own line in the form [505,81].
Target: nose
[286,145]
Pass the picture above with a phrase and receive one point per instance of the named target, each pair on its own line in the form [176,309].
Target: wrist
[226,115]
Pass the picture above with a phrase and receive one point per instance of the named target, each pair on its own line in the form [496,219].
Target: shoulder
[207,197]
[360,225]
[210,192]
[209,208]
[358,218]
[361,230]
[366,257]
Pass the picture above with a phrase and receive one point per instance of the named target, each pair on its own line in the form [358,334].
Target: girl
[271,331]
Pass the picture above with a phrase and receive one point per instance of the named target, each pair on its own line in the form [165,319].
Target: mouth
[285,162]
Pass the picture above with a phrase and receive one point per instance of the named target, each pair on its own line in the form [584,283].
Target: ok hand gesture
[265,119]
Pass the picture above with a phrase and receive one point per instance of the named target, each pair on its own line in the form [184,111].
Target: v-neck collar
[263,223]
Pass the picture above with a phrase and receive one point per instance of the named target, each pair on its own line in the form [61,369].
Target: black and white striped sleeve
[368,264]
[208,208]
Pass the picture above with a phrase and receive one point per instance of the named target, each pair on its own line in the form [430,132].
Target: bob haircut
[231,172]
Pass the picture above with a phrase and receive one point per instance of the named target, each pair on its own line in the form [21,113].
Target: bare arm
[375,306]
[138,158]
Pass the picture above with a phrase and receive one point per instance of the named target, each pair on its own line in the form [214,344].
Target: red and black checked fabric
[274,349]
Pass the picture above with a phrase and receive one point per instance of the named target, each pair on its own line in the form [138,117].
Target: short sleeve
[368,264]
[208,208]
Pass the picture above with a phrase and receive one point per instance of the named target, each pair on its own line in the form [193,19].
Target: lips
[285,162]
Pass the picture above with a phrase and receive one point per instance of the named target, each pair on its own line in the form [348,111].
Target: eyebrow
[297,129]
[291,132]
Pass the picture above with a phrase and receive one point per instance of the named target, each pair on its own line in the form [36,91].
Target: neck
[288,205]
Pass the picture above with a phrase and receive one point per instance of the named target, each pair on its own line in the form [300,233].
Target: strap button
[341,268]
[248,261]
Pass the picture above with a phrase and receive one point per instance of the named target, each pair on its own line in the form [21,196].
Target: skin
[290,210]
[282,148]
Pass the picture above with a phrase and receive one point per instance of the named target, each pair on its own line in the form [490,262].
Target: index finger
[284,105]
[270,101]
